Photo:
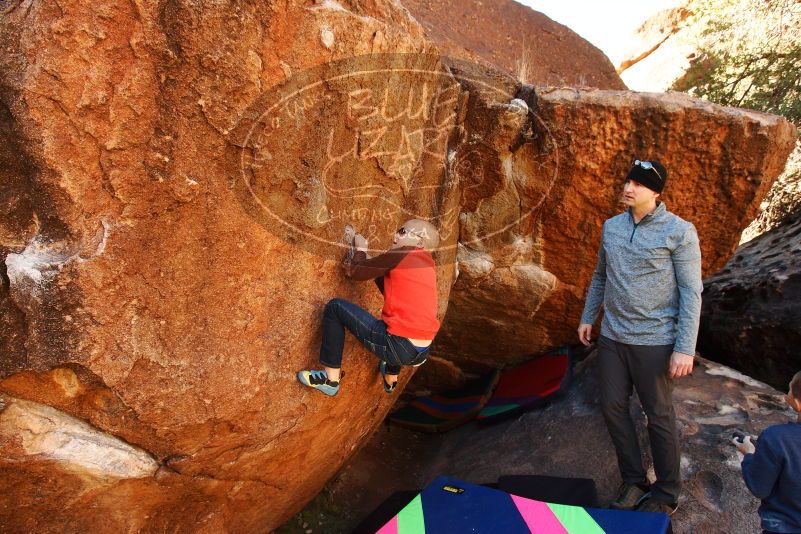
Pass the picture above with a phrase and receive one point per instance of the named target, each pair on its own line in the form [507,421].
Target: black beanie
[653,178]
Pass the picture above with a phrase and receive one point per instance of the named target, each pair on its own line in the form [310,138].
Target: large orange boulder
[177,180]
[516,39]
[529,234]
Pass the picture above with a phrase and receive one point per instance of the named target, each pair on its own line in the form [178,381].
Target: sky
[607,24]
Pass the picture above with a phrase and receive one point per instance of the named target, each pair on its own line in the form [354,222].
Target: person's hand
[360,242]
[584,333]
[681,364]
[745,446]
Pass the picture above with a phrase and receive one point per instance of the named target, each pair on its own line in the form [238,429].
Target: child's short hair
[795,386]
[427,232]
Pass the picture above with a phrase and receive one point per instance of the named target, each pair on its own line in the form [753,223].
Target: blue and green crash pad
[442,412]
[529,385]
[448,505]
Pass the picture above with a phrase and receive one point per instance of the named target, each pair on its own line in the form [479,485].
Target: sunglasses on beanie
[648,166]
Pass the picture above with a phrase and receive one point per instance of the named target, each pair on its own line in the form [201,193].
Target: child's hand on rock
[360,242]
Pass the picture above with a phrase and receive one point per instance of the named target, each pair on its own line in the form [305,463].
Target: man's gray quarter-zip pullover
[648,277]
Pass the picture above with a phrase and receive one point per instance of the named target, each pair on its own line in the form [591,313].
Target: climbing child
[772,469]
[406,276]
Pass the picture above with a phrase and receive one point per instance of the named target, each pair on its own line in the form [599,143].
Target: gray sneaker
[630,496]
[651,505]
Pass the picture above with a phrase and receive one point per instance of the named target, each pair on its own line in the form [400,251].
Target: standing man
[648,278]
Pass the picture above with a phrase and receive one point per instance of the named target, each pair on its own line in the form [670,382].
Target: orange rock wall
[153,300]
[521,291]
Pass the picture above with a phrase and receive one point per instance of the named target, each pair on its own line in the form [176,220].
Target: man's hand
[745,446]
[360,242]
[584,333]
[681,364]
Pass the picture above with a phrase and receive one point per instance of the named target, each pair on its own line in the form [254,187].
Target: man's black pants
[644,368]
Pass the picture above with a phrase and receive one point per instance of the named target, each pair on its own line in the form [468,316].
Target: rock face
[660,52]
[177,182]
[782,201]
[521,290]
[652,34]
[516,39]
[751,308]
[569,439]
[30,429]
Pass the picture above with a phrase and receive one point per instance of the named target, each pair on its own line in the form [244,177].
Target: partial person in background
[772,469]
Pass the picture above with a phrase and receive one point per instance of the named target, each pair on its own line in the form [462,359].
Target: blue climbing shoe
[388,388]
[319,381]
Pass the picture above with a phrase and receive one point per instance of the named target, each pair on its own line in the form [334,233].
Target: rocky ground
[569,439]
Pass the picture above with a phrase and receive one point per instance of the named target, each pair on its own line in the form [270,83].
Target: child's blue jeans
[371,332]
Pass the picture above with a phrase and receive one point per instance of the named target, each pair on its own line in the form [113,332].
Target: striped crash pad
[444,411]
[448,506]
[529,385]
